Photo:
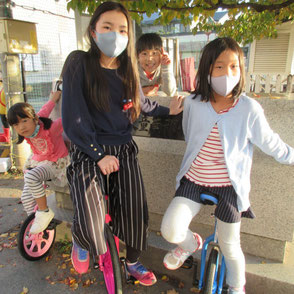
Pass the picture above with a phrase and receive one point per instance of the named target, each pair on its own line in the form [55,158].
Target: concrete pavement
[53,274]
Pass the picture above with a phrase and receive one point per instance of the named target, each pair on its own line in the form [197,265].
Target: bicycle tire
[111,265]
[31,249]
[210,271]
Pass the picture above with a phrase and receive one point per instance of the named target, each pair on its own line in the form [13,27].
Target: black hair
[210,53]
[96,85]
[25,110]
[149,41]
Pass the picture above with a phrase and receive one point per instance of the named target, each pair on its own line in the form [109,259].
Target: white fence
[269,83]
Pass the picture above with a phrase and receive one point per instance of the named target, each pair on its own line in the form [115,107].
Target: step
[263,276]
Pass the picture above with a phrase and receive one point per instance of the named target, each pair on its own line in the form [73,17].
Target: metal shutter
[271,54]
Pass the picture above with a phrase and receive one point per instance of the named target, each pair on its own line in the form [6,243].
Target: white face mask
[224,85]
[112,44]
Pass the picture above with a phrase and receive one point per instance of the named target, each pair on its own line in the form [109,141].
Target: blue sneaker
[140,273]
[80,259]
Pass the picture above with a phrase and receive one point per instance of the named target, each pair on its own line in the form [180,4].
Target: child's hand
[165,60]
[150,90]
[55,96]
[176,105]
[108,164]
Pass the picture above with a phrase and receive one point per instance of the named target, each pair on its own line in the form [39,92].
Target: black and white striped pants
[128,205]
[33,186]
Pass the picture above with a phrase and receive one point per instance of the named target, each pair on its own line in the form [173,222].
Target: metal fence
[56,37]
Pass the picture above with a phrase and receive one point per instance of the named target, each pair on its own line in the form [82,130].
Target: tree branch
[256,6]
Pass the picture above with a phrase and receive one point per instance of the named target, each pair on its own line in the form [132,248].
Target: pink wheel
[110,265]
[34,246]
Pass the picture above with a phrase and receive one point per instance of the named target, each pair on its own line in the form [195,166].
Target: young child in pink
[48,160]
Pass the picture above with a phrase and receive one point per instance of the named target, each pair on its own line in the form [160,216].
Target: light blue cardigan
[240,128]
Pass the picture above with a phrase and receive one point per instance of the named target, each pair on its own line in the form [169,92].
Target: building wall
[274,56]
[56,36]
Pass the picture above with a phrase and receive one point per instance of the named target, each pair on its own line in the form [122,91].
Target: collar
[36,131]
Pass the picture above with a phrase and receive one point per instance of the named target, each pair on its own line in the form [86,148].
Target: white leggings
[33,186]
[175,229]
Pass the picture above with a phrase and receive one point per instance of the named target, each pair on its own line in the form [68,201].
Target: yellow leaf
[164,278]
[74,286]
[172,291]
[65,255]
[63,266]
[87,283]
[194,290]
[25,290]
[4,235]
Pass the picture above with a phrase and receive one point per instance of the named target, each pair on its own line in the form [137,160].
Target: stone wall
[272,195]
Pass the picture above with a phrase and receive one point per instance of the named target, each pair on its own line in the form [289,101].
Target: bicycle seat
[208,198]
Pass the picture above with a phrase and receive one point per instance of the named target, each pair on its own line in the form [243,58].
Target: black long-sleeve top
[88,127]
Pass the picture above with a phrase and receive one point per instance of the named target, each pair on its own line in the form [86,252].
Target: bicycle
[211,280]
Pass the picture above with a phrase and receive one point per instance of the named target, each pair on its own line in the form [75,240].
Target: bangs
[149,41]
[20,110]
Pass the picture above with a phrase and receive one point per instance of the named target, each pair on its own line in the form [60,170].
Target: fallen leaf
[194,290]
[181,285]
[172,291]
[4,235]
[165,278]
[73,271]
[87,283]
[25,290]
[63,266]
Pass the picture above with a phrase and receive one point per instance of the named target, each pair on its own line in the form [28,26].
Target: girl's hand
[108,164]
[176,105]
[55,96]
[165,60]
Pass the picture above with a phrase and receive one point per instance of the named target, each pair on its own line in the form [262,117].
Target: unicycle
[212,275]
[212,281]
[109,262]
[36,246]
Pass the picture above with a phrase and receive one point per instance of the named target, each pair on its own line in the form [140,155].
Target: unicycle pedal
[52,225]
[129,279]
[188,264]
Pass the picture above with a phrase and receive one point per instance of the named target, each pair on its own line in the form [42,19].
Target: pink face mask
[224,85]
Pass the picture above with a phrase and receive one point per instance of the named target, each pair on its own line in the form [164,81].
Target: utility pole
[12,81]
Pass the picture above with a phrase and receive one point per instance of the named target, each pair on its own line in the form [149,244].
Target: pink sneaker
[80,259]
[139,272]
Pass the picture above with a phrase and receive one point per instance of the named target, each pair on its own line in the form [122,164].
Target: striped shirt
[209,167]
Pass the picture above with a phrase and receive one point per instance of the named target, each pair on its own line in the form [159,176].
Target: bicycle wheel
[209,287]
[111,265]
[34,246]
